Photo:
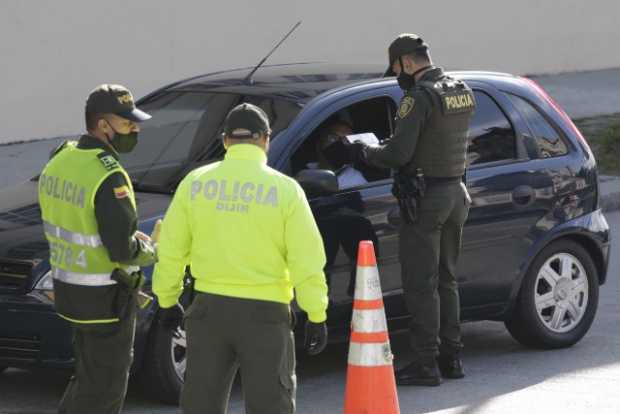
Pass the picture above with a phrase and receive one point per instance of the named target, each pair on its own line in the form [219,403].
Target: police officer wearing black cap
[428,152]
[253,245]
[90,220]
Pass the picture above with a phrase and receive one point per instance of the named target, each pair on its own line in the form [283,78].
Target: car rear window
[185,128]
[491,135]
[168,139]
[548,140]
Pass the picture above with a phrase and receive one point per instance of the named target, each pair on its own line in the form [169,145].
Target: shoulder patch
[121,192]
[406,105]
[108,161]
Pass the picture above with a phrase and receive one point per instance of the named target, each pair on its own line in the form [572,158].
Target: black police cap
[404,44]
[246,121]
[114,99]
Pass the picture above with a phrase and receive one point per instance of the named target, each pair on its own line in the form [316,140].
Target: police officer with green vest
[89,216]
[253,245]
[428,153]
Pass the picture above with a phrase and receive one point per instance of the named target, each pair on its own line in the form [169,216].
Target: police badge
[406,105]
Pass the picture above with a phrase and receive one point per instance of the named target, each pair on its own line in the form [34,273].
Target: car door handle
[523,195]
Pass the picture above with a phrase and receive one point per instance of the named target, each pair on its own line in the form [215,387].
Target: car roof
[301,82]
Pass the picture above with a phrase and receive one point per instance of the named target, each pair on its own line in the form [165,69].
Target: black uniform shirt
[414,111]
[116,217]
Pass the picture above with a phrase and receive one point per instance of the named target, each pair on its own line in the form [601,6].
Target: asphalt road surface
[502,376]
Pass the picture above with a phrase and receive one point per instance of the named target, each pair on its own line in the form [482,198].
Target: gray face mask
[123,143]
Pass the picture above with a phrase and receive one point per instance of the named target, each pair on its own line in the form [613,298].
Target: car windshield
[184,133]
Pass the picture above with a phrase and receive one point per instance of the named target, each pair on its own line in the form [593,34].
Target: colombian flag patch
[121,192]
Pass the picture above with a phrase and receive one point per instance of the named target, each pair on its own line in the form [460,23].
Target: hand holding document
[367,138]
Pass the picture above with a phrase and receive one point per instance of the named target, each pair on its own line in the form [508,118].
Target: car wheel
[164,366]
[558,298]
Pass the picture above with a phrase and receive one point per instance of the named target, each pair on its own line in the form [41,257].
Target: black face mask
[337,154]
[123,143]
[405,80]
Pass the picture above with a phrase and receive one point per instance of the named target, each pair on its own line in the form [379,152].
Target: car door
[356,213]
[497,234]
[563,187]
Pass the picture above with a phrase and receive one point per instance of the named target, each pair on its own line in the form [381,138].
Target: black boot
[423,373]
[450,366]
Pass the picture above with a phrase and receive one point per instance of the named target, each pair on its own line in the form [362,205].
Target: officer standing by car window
[428,151]
[250,237]
[89,216]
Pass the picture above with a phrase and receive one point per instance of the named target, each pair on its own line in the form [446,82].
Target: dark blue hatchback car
[535,248]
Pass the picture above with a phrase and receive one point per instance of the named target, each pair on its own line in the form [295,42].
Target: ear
[102,124]
[267,140]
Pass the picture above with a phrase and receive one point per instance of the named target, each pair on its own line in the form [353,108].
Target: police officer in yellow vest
[89,215]
[252,242]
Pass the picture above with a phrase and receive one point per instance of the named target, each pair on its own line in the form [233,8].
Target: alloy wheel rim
[561,292]
[178,352]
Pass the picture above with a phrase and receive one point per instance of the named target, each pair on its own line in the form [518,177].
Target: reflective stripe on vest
[82,279]
[72,237]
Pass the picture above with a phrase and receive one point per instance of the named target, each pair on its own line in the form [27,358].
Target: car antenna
[248,79]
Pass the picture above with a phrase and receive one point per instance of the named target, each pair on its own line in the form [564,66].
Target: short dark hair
[420,56]
[91,119]
[253,141]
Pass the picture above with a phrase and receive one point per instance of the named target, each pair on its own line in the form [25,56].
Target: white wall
[54,52]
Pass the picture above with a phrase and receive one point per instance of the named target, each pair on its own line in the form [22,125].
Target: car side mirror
[317,182]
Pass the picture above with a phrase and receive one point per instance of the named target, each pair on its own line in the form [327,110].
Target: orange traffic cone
[371,388]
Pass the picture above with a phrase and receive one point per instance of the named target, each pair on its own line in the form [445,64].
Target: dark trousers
[103,356]
[226,334]
[429,250]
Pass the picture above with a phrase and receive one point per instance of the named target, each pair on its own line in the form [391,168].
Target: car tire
[164,366]
[548,315]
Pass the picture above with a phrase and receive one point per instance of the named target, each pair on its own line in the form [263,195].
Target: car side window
[491,135]
[325,147]
[548,140]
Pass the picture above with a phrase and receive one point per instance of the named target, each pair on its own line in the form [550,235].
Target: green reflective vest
[80,264]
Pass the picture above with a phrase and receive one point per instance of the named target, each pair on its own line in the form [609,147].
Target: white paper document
[367,138]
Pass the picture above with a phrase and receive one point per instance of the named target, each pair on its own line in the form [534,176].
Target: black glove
[356,150]
[146,255]
[316,337]
[171,317]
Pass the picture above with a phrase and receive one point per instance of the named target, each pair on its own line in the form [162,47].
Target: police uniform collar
[433,73]
[88,142]
[246,152]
